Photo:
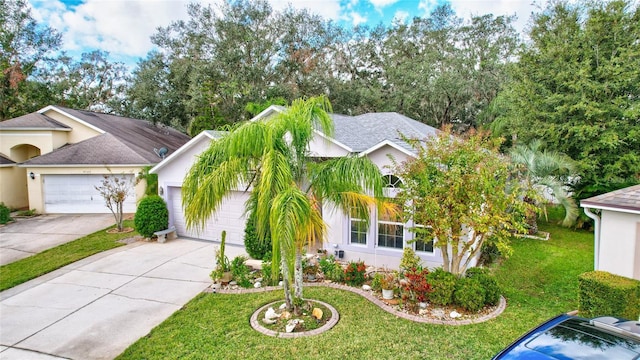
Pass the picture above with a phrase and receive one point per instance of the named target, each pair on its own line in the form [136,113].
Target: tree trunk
[284,268]
[298,275]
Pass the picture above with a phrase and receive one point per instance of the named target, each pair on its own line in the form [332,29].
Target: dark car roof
[571,337]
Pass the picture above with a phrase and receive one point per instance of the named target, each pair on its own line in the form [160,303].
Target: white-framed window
[358,231]
[390,234]
[423,239]
[390,230]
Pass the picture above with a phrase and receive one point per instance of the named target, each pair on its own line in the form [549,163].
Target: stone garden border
[367,295]
[255,323]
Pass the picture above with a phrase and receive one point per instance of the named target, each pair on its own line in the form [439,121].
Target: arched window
[392,181]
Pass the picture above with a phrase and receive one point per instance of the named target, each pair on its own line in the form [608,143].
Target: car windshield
[562,342]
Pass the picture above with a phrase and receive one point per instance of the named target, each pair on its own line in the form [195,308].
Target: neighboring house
[375,135]
[617,231]
[51,160]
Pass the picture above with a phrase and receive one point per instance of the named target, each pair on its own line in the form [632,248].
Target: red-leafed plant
[415,286]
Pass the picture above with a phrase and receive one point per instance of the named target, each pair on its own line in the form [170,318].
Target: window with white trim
[392,181]
[359,229]
[390,231]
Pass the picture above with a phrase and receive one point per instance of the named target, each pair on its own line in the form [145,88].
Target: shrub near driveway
[539,281]
[39,264]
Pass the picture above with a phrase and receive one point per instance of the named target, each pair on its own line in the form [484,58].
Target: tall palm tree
[271,158]
[542,170]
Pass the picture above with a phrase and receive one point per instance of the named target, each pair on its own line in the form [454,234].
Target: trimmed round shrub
[492,291]
[5,214]
[256,248]
[151,216]
[469,294]
[443,284]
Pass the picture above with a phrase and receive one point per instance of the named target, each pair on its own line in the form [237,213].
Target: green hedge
[151,216]
[604,294]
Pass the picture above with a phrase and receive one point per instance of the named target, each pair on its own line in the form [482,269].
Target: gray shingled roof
[129,141]
[140,136]
[6,161]
[625,199]
[103,149]
[364,131]
[32,121]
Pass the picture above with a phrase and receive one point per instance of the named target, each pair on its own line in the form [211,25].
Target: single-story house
[617,231]
[51,160]
[375,135]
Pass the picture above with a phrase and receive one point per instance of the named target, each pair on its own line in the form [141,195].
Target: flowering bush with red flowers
[355,273]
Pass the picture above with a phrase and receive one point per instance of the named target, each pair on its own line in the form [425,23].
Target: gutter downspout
[596,230]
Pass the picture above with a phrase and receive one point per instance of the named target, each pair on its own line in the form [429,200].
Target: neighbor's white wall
[618,241]
[173,173]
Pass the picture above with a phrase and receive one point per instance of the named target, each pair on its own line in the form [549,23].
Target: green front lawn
[539,281]
[39,264]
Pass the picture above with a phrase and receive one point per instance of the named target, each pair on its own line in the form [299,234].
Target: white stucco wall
[619,242]
[323,147]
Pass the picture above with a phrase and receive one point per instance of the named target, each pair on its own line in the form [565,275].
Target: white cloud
[379,4]
[523,9]
[329,9]
[427,5]
[357,19]
[122,27]
[401,17]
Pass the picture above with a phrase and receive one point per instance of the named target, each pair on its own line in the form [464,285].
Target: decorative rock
[423,305]
[283,306]
[438,313]
[232,283]
[280,283]
[257,284]
[454,314]
[423,312]
[285,315]
[271,314]
[317,313]
[259,279]
[291,325]
[366,287]
[269,322]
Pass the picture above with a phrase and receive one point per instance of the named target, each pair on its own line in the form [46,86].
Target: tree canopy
[576,87]
[461,193]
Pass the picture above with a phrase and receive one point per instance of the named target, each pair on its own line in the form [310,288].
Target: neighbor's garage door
[230,217]
[76,194]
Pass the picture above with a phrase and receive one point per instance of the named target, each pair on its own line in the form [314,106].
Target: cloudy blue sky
[123,27]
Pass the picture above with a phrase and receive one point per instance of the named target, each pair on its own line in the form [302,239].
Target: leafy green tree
[576,87]
[26,45]
[544,170]
[92,83]
[462,195]
[442,70]
[273,157]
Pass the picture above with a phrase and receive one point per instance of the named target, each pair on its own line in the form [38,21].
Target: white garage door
[230,217]
[76,194]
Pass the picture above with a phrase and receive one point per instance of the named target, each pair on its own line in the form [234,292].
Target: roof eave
[56,109]
[609,207]
[82,165]
[33,129]
[385,143]
[180,150]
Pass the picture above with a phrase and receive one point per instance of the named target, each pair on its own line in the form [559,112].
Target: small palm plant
[541,170]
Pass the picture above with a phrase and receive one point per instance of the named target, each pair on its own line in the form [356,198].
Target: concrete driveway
[97,307]
[26,237]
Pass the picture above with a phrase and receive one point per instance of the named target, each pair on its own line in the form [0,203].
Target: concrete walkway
[29,236]
[97,307]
